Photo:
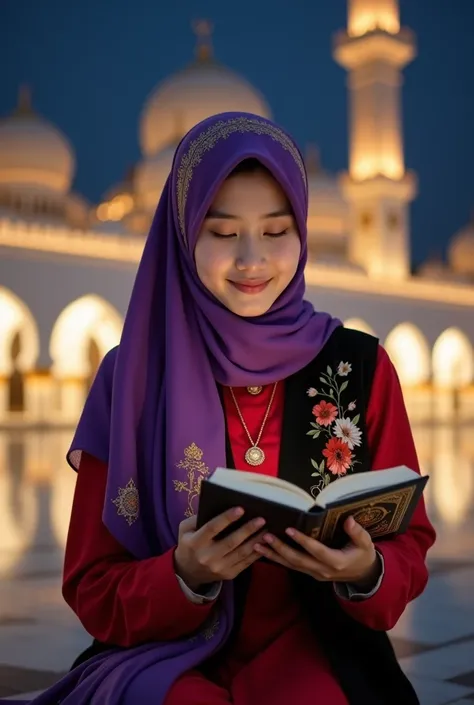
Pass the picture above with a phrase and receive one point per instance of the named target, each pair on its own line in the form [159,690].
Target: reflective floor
[39,636]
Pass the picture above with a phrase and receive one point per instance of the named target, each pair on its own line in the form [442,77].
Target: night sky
[92,63]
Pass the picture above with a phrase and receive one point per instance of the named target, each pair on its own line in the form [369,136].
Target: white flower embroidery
[352,406]
[312,392]
[348,432]
[344,368]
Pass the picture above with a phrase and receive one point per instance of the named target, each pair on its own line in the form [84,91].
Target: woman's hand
[357,563]
[200,559]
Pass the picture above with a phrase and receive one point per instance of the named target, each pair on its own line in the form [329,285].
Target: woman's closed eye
[225,236]
[278,234]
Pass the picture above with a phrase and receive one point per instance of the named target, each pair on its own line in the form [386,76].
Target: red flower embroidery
[325,413]
[338,455]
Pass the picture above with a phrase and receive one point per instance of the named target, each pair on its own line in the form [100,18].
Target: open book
[382,501]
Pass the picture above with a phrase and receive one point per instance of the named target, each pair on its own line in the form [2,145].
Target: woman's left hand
[357,563]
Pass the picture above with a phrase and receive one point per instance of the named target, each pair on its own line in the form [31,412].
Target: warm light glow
[15,318]
[31,236]
[89,317]
[359,324]
[369,15]
[365,166]
[115,209]
[453,360]
[453,476]
[63,483]
[18,510]
[408,349]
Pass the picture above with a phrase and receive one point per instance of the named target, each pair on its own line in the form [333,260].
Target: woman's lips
[251,286]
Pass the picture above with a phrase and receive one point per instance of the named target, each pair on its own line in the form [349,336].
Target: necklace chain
[254,445]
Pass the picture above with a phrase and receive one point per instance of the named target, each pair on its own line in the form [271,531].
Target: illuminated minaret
[374,50]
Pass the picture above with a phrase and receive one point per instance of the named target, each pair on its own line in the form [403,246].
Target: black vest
[362,659]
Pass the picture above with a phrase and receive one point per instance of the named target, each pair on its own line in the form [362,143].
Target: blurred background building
[67,266]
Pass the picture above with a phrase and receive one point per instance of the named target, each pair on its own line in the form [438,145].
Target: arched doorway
[410,354]
[453,373]
[83,333]
[359,324]
[19,350]
[453,360]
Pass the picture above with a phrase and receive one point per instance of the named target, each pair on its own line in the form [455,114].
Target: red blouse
[122,601]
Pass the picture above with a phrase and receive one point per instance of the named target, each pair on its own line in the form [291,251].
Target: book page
[272,488]
[352,485]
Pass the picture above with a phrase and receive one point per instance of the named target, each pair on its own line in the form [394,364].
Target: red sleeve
[118,599]
[391,443]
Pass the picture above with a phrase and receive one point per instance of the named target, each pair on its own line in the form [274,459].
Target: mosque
[67,266]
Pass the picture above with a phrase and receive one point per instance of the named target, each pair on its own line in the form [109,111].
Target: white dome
[150,177]
[328,211]
[34,153]
[193,94]
[461,251]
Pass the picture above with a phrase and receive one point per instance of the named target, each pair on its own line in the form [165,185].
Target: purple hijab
[154,414]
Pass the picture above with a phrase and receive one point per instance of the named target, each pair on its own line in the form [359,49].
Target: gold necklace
[254,390]
[254,455]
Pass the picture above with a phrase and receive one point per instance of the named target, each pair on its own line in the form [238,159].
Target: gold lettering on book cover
[376,515]
[196,471]
[210,137]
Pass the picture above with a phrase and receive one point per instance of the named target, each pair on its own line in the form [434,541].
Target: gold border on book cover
[373,515]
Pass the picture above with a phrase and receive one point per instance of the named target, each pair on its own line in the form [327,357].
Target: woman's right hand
[200,559]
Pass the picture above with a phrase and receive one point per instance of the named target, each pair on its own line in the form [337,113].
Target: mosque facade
[67,266]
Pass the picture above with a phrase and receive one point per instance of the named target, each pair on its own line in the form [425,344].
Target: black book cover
[382,512]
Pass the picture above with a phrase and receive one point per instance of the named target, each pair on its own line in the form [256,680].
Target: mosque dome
[461,250]
[202,89]
[328,211]
[151,175]
[33,153]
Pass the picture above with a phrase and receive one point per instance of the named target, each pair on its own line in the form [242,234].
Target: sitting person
[223,363]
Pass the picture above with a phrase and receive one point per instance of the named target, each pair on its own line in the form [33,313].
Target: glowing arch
[453,360]
[88,318]
[410,354]
[359,324]
[15,317]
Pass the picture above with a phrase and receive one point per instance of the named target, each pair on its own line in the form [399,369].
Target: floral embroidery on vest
[127,502]
[196,470]
[334,419]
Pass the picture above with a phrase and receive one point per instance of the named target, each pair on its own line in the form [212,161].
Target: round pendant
[254,390]
[254,456]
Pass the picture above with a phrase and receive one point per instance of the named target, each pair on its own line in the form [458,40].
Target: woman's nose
[250,254]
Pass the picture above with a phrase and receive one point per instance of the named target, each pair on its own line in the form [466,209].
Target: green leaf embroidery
[315,474]
[323,380]
[313,433]
[344,385]
[327,480]
[355,420]
[321,467]
[329,371]
[314,464]
[314,425]
[331,392]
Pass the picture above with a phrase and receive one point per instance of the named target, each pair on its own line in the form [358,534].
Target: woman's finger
[230,544]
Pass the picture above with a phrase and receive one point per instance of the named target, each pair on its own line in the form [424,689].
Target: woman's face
[248,247]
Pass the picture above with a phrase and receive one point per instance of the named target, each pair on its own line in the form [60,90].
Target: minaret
[374,49]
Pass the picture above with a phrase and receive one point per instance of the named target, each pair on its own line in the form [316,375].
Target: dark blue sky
[92,63]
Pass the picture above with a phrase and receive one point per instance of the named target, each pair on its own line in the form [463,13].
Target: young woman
[223,363]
